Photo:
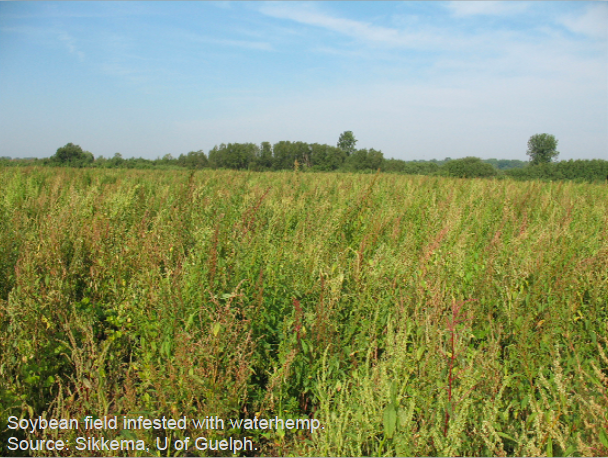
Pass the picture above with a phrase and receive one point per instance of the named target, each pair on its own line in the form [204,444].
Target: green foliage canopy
[72,155]
[542,149]
[236,156]
[364,159]
[315,157]
[193,160]
[347,142]
[468,167]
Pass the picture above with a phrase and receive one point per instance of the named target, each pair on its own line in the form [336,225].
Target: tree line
[344,157]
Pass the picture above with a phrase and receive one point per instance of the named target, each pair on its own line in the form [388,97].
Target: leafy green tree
[72,155]
[242,154]
[234,155]
[216,156]
[286,153]
[347,142]
[364,159]
[325,157]
[505,164]
[422,168]
[167,159]
[283,155]
[394,166]
[468,167]
[542,149]
[194,160]
[409,167]
[594,170]
[116,161]
[68,153]
[265,157]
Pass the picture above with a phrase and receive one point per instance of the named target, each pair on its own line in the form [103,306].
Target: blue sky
[417,80]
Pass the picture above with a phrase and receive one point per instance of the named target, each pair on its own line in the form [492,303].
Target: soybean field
[409,315]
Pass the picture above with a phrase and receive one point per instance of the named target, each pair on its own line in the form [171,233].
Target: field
[410,315]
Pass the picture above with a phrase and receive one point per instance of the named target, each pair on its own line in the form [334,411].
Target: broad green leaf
[390,421]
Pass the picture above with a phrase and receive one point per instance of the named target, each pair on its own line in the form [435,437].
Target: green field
[411,315]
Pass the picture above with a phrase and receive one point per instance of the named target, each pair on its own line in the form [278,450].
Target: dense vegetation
[412,315]
[345,157]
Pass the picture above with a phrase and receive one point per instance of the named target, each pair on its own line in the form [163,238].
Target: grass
[411,315]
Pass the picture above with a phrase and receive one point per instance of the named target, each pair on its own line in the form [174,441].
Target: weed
[340,297]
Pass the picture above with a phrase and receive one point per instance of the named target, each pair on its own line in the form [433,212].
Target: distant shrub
[410,167]
[72,155]
[364,159]
[580,170]
[505,164]
[468,167]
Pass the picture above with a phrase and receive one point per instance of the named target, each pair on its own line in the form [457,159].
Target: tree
[193,160]
[326,157]
[542,149]
[468,167]
[167,159]
[116,161]
[233,156]
[265,157]
[364,159]
[285,153]
[505,164]
[347,142]
[72,155]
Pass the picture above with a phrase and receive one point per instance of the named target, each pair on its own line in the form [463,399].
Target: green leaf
[506,436]
[420,352]
[190,320]
[390,421]
[604,438]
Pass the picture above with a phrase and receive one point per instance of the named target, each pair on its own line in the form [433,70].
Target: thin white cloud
[307,15]
[46,35]
[593,22]
[24,30]
[223,4]
[484,8]
[70,42]
[247,44]
[483,48]
[426,36]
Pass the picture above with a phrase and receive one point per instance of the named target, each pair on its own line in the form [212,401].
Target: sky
[416,80]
